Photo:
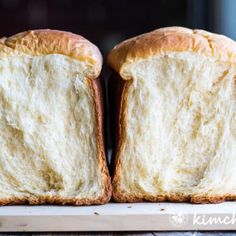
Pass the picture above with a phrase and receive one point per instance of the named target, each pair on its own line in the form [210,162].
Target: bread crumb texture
[48,140]
[179,129]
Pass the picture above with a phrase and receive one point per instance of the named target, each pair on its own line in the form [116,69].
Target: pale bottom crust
[123,197]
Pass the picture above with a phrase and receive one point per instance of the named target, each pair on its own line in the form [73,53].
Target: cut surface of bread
[51,141]
[177,117]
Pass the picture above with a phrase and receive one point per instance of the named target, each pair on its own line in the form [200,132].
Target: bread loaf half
[176,117]
[51,140]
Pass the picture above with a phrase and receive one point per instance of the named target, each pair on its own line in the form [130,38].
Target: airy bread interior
[48,140]
[179,128]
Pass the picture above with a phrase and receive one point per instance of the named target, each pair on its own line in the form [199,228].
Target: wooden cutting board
[119,217]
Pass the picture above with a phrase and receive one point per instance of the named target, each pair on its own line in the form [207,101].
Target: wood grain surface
[146,217]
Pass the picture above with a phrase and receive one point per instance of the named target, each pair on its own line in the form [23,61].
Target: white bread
[176,117]
[51,141]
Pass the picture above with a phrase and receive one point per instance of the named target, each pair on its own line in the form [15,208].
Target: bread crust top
[170,39]
[45,41]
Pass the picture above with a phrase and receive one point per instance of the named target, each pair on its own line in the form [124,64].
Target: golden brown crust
[39,200]
[99,110]
[43,42]
[122,198]
[115,89]
[118,196]
[170,39]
